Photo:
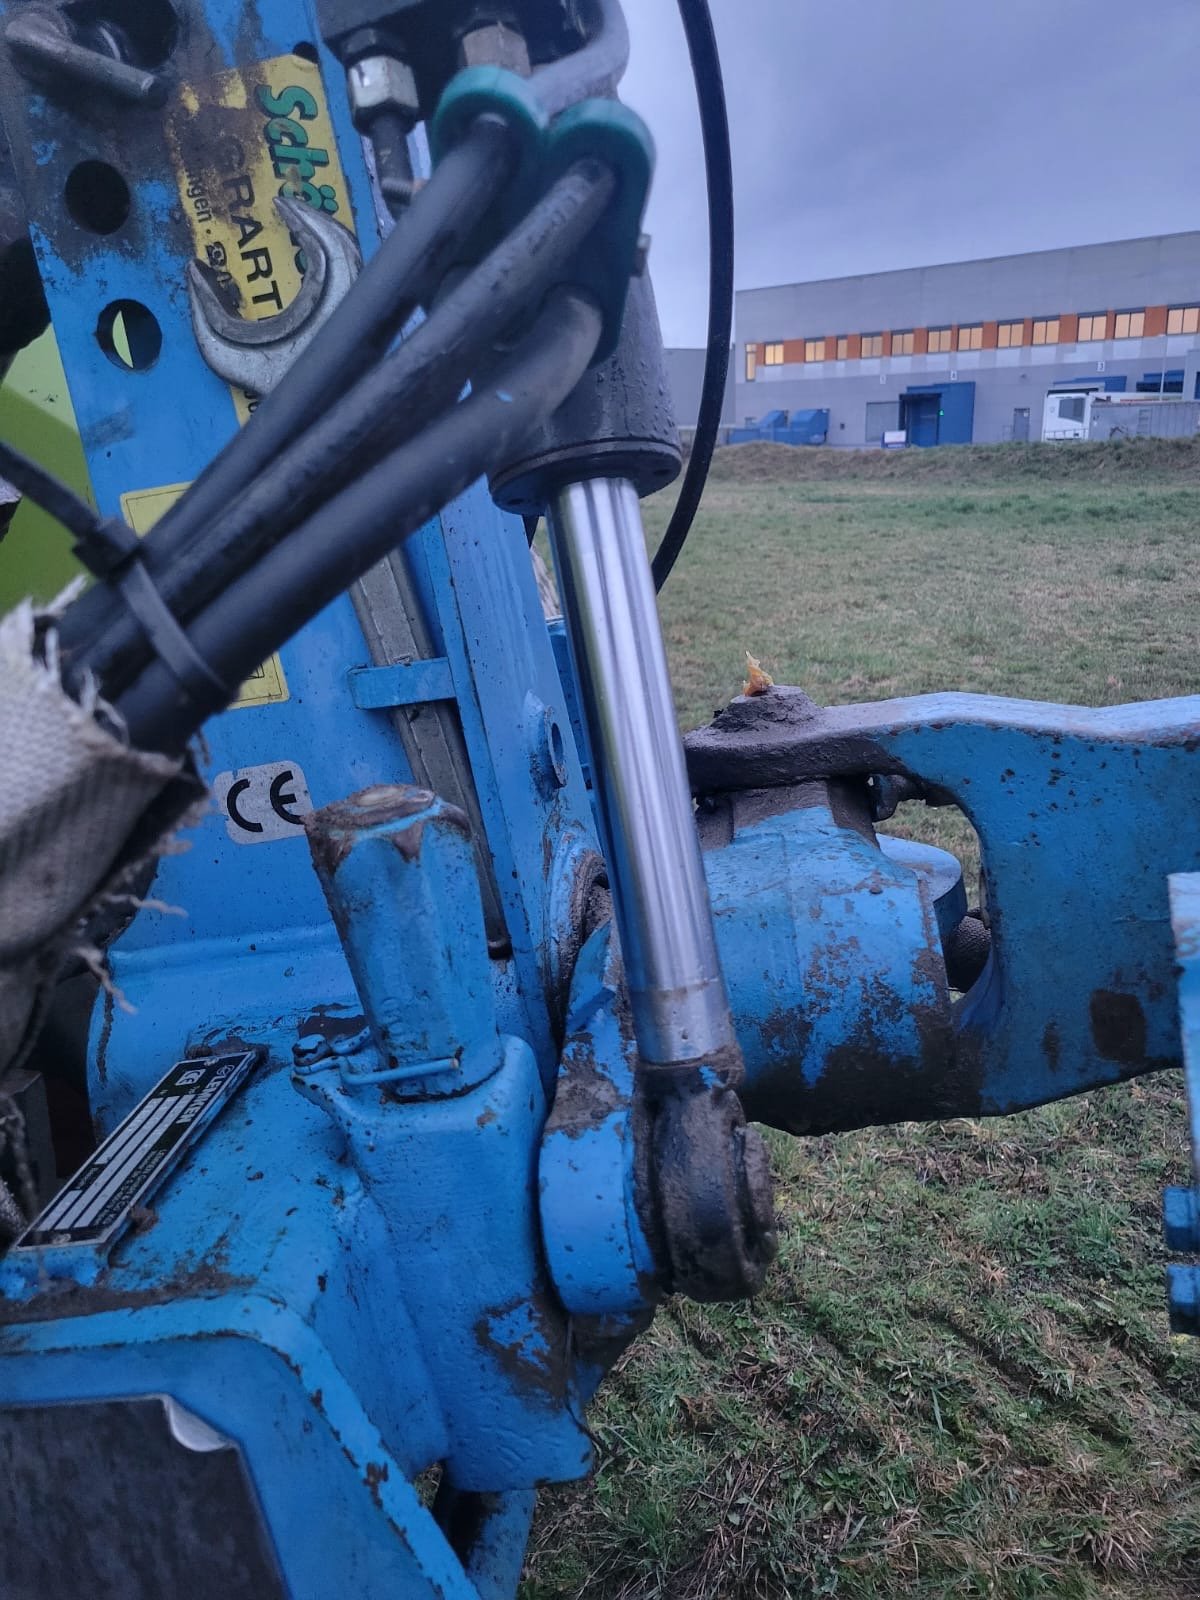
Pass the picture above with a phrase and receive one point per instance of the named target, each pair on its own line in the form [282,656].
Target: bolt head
[308,1048]
[381,83]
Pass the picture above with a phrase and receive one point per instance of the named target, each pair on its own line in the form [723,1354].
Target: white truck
[1087,411]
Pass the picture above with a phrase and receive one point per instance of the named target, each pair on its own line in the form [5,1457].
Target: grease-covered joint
[765,740]
[712,1192]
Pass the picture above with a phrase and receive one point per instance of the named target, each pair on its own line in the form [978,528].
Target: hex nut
[381,83]
[494,45]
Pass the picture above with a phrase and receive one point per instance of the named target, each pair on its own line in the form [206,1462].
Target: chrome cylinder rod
[660,898]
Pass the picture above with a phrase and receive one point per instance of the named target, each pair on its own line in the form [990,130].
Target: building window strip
[1183,319]
[1093,326]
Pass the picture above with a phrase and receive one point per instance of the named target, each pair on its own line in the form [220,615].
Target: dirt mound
[967,463]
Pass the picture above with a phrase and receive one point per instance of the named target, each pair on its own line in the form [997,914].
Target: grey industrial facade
[969,350]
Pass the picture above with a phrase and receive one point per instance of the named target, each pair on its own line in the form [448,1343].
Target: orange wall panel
[920,341]
[990,335]
[1156,320]
[793,350]
[855,350]
[1068,328]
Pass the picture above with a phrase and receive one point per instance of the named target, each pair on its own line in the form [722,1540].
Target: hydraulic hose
[46,491]
[718,169]
[404,272]
[595,70]
[419,378]
[350,532]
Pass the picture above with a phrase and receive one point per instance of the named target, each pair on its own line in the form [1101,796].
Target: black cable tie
[106,546]
[112,551]
[171,644]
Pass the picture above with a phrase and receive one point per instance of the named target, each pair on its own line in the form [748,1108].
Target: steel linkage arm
[1081,816]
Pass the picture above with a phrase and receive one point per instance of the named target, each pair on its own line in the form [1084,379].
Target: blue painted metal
[297,1282]
[1181,1207]
[830,953]
[782,427]
[1054,792]
[407,683]
[1181,1220]
[243,905]
[301,1318]
[598,1253]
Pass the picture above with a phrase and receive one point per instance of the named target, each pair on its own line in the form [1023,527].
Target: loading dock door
[919,417]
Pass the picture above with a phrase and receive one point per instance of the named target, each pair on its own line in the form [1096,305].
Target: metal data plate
[94,1207]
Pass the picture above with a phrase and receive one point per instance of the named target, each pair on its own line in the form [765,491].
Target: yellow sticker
[266,685]
[236,141]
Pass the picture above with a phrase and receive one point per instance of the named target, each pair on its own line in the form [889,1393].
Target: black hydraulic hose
[718,168]
[419,378]
[349,533]
[46,491]
[596,69]
[404,272]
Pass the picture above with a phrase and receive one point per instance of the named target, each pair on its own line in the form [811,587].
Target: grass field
[959,1379]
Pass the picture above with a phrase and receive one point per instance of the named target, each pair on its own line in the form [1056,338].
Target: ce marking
[264,803]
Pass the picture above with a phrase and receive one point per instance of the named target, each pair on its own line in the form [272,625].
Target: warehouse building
[968,351]
[685,379]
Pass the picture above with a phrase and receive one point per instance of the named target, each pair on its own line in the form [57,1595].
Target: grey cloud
[869,135]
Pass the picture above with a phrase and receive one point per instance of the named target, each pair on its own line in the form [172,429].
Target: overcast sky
[869,134]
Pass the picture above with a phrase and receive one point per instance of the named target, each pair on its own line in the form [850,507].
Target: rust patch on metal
[106,1028]
[585,1096]
[331,830]
[1051,1045]
[328,849]
[375,1473]
[408,841]
[59,1299]
[325,1021]
[535,1359]
[1118,1026]
[863,1082]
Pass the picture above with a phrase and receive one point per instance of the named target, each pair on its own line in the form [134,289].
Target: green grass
[959,1379]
